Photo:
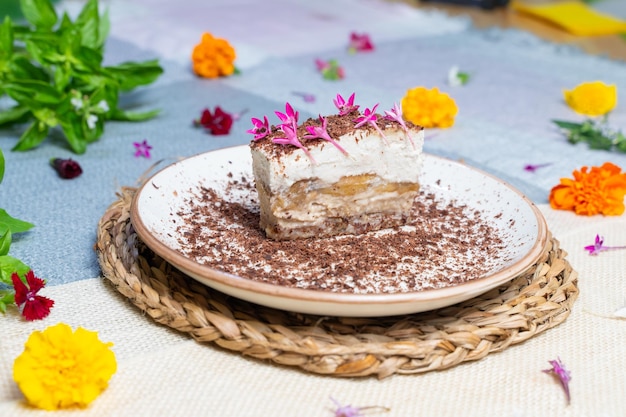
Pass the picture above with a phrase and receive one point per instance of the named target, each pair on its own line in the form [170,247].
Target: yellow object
[213,57]
[574,17]
[60,368]
[429,108]
[592,98]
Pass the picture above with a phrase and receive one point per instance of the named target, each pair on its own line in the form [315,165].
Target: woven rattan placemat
[529,304]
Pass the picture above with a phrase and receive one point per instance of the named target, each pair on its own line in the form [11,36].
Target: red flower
[66,168]
[217,123]
[35,307]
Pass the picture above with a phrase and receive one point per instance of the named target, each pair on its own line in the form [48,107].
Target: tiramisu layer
[355,179]
[353,205]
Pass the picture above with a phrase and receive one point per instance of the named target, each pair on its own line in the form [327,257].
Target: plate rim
[208,275]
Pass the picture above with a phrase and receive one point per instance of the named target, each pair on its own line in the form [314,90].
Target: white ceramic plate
[166,193]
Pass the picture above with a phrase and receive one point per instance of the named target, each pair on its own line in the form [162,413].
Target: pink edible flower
[598,246]
[343,106]
[351,411]
[290,117]
[331,70]
[261,128]
[396,114]
[369,117]
[535,167]
[292,139]
[142,149]
[307,97]
[360,43]
[321,132]
[563,375]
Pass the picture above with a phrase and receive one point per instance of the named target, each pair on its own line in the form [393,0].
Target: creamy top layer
[396,159]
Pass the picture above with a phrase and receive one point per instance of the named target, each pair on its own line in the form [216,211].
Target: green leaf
[52,59]
[14,225]
[39,13]
[134,74]
[92,135]
[598,141]
[13,115]
[32,137]
[90,59]
[131,116]
[39,52]
[74,136]
[6,298]
[34,91]
[6,39]
[1,165]
[5,239]
[105,26]
[567,125]
[9,265]
[22,68]
[89,23]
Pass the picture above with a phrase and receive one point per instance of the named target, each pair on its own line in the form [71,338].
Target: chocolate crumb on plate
[443,244]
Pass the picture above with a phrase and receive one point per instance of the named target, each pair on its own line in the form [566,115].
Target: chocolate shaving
[443,244]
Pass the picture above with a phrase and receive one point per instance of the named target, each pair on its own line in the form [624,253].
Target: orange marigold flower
[599,190]
[213,57]
[592,98]
[429,108]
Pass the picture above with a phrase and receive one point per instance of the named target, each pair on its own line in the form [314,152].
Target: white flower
[77,103]
[103,105]
[91,121]
[457,78]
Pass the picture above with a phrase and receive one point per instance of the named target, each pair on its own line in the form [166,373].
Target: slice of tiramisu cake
[347,173]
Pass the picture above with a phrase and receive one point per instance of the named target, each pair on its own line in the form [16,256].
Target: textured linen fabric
[502,125]
[164,373]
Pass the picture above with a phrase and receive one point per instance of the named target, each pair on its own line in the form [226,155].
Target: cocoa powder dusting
[442,245]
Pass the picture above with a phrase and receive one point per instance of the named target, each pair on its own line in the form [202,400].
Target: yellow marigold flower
[595,190]
[429,108]
[592,98]
[60,368]
[213,57]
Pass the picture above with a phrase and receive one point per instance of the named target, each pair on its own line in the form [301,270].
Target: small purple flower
[350,411]
[563,375]
[66,168]
[598,246]
[142,149]
[369,117]
[307,97]
[343,106]
[322,133]
[237,116]
[292,139]
[535,167]
[396,114]
[261,128]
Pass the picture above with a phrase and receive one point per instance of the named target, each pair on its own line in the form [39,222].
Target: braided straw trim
[534,301]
